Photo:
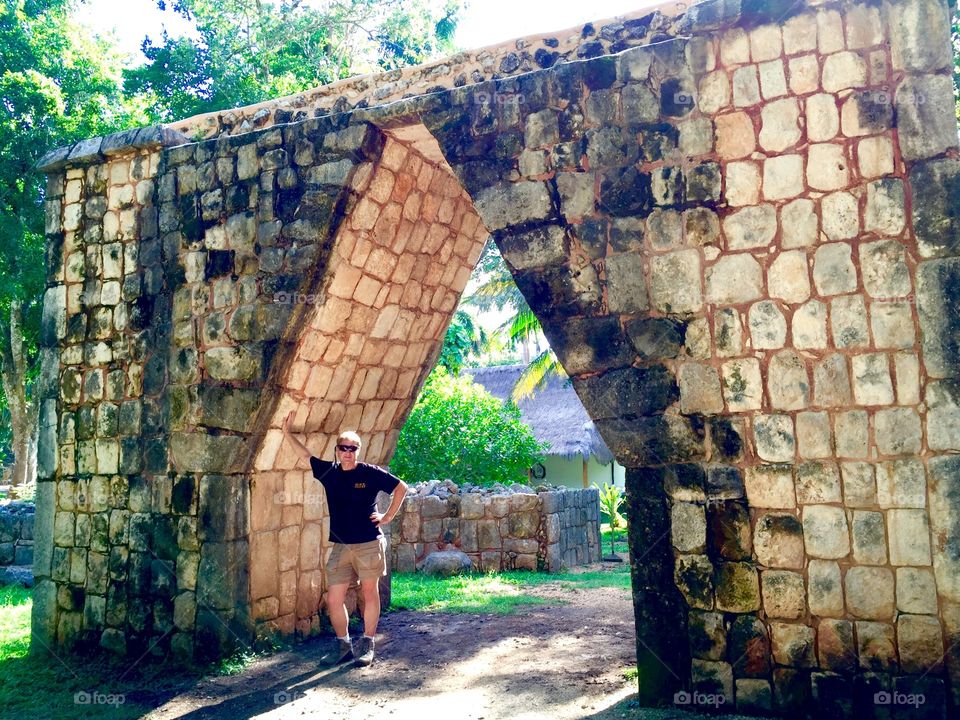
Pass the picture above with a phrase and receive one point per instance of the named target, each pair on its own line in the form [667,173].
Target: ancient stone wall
[742,243]
[548,531]
[16,534]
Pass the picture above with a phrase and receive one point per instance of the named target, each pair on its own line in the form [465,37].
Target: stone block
[793,645]
[688,527]
[907,371]
[919,38]
[850,433]
[754,695]
[742,386]
[823,119]
[712,678]
[859,488]
[768,327]
[737,587]
[833,269]
[727,332]
[925,117]
[664,230]
[746,86]
[770,486]
[787,381]
[734,279]
[892,324]
[773,81]
[840,216]
[875,156]
[817,482]
[778,541]
[869,592]
[825,532]
[809,326]
[714,92]
[735,135]
[788,278]
[885,212]
[675,282]
[848,321]
[742,183]
[814,438]
[804,74]
[799,223]
[750,227]
[827,167]
[920,642]
[897,431]
[943,415]
[626,290]
[779,120]
[825,588]
[508,204]
[707,633]
[699,389]
[916,591]
[784,595]
[843,70]
[871,379]
[773,437]
[836,649]
[693,575]
[909,537]
[750,645]
[700,226]
[869,538]
[876,647]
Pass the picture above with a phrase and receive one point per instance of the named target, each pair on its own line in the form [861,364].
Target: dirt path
[551,661]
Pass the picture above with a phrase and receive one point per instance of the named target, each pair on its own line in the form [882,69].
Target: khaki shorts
[364,561]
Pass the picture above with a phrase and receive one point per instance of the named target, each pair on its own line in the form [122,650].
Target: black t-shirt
[352,498]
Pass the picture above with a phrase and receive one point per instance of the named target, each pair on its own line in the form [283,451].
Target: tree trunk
[23,412]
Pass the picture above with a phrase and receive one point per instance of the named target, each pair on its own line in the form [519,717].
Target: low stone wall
[548,530]
[16,534]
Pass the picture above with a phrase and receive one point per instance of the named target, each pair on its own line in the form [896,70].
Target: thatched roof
[554,413]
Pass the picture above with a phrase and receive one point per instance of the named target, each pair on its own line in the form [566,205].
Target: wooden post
[585,482]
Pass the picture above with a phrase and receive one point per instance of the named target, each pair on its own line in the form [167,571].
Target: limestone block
[787,381]
[866,113]
[809,326]
[897,431]
[825,532]
[919,36]
[734,279]
[714,92]
[727,332]
[850,431]
[793,645]
[712,678]
[859,487]
[778,541]
[799,223]
[836,649]
[909,537]
[765,43]
[735,47]
[787,277]
[920,642]
[869,592]
[708,637]
[688,527]
[800,34]
[697,339]
[770,486]
[576,192]
[833,270]
[943,415]
[742,185]
[735,135]
[827,167]
[869,538]
[773,81]
[885,270]
[773,437]
[541,129]
[825,588]
[916,590]
[664,230]
[926,125]
[737,587]
[507,204]
[699,389]
[750,645]
[892,324]
[693,575]
[817,482]
[753,695]
[701,226]
[782,177]
[784,594]
[804,74]
[945,524]
[935,222]
[843,70]
[768,327]
[728,521]
[907,371]
[545,245]
[885,213]
[830,37]
[840,216]
[823,119]
[750,227]
[675,282]
[626,291]
[848,321]
[813,435]
[746,86]
[875,156]
[696,136]
[871,379]
[876,646]
[742,386]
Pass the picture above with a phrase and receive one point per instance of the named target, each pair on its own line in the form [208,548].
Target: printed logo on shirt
[359,486]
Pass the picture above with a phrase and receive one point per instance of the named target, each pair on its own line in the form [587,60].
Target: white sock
[368,637]
[345,638]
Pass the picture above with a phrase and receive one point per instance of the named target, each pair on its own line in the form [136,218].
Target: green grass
[492,593]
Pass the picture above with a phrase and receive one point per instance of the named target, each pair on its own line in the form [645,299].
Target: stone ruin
[738,225]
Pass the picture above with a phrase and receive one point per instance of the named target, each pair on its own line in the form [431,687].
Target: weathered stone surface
[512,203]
[793,645]
[774,438]
[869,592]
[916,591]
[920,642]
[784,595]
[750,646]
[923,117]
[694,578]
[869,538]
[708,637]
[770,486]
[825,532]
[737,587]
[787,381]
[827,167]
[825,589]
[917,36]
[876,646]
[814,437]
[840,216]
[734,279]
[446,563]
[768,327]
[835,646]
[833,269]
[909,537]
[688,527]
[675,282]
[943,415]
[778,541]
[751,227]
[799,223]
[699,389]
[787,277]
[809,326]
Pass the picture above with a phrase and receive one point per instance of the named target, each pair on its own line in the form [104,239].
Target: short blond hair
[351,436]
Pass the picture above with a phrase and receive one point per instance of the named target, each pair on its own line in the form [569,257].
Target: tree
[57,85]
[247,51]
[463,338]
[459,431]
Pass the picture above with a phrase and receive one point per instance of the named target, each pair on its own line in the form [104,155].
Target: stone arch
[735,227]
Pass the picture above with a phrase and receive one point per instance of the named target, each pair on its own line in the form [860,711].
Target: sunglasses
[348,448]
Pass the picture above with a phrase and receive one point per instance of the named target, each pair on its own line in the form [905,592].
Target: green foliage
[611,500]
[459,431]
[464,337]
[248,51]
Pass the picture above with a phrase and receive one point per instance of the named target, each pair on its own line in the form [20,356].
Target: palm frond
[522,326]
[536,374]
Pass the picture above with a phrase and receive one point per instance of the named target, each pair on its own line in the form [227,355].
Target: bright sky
[486,21]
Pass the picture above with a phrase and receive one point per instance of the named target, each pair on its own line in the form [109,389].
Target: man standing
[359,547]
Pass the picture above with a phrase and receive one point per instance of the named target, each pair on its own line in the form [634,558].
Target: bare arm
[399,493]
[297,446]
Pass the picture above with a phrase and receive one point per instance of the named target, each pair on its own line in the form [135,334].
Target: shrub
[459,431]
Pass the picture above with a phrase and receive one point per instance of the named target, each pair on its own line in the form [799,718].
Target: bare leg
[371,605]
[337,609]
